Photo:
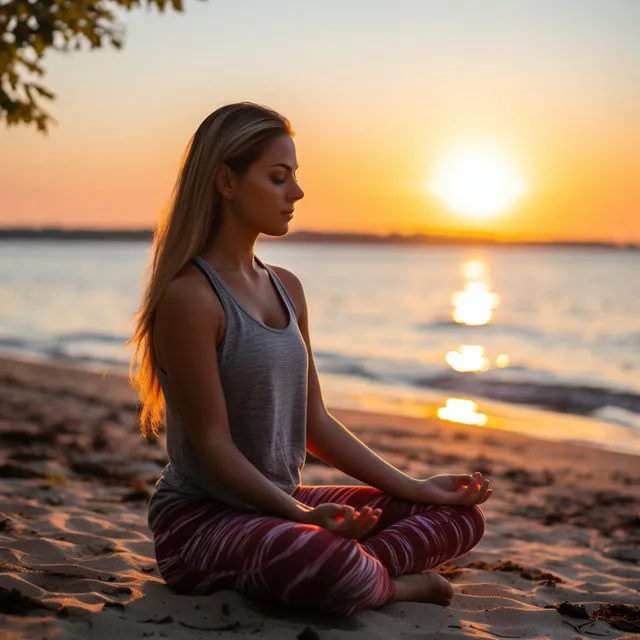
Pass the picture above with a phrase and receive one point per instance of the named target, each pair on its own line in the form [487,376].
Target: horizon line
[54,231]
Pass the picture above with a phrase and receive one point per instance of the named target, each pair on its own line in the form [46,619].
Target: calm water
[546,327]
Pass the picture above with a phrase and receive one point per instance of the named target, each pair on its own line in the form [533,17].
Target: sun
[477,182]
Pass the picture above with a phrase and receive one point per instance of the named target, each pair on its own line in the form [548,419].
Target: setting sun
[477,182]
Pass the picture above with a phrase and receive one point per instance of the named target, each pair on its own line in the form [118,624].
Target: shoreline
[537,422]
[76,553]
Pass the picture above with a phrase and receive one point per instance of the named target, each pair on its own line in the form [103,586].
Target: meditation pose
[224,359]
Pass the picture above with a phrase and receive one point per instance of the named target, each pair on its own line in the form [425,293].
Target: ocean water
[543,327]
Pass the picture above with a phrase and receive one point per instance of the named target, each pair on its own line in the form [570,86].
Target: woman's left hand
[445,489]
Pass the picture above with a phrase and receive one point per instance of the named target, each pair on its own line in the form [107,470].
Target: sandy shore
[76,559]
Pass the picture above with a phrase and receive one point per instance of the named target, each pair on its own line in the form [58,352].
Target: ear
[225,182]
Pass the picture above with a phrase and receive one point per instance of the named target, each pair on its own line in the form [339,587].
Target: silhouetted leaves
[29,28]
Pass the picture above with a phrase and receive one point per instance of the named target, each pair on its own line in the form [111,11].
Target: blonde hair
[236,135]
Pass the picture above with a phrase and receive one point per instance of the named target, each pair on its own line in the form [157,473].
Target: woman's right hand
[342,519]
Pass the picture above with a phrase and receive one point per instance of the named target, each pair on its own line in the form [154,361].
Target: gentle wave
[506,329]
[611,405]
[93,348]
[93,337]
[503,328]
[514,384]
[565,398]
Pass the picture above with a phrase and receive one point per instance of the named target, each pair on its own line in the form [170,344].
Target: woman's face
[266,194]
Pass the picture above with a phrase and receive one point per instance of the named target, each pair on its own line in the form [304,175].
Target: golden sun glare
[477,182]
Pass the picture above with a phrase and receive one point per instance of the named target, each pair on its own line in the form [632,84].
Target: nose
[298,193]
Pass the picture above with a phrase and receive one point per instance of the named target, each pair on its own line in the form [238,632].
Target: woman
[223,348]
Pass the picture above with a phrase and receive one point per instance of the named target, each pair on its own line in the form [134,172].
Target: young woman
[223,354]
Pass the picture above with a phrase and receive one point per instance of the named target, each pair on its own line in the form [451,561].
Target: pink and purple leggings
[205,546]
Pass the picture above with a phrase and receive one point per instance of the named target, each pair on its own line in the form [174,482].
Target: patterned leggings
[202,547]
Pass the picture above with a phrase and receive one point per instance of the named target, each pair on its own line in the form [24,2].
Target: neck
[233,248]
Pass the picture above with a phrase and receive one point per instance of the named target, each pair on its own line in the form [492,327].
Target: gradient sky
[377,92]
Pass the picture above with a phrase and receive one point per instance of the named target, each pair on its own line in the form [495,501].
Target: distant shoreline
[146,235]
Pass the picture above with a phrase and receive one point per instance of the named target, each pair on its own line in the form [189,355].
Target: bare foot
[428,586]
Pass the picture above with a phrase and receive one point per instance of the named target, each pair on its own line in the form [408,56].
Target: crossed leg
[202,546]
[409,537]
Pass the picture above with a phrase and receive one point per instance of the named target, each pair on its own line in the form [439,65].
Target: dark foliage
[31,28]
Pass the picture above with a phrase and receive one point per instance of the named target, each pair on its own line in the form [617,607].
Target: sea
[467,334]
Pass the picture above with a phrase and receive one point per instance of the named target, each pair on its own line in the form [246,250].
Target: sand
[560,559]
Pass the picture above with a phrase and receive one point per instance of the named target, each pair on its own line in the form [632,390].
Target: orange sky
[377,96]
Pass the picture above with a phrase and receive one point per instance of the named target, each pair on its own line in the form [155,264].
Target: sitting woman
[223,354]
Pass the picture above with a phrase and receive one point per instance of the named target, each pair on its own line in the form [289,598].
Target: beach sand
[560,556]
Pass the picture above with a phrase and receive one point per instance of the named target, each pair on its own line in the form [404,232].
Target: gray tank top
[263,371]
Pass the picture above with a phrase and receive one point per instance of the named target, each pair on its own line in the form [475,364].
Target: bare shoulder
[190,290]
[188,306]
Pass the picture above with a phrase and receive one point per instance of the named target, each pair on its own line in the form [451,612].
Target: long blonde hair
[236,135]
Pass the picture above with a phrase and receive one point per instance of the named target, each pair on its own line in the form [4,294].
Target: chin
[277,232]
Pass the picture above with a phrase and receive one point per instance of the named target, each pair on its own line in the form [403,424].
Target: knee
[477,523]
[173,571]
[480,519]
[330,574]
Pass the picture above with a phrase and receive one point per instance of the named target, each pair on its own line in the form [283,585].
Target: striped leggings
[204,546]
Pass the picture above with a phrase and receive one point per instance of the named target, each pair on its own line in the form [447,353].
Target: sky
[378,94]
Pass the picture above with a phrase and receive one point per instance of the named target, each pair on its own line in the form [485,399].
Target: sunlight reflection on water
[462,411]
[473,306]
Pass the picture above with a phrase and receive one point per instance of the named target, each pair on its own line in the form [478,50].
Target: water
[563,333]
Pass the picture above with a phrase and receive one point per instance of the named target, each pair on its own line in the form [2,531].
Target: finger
[349,514]
[370,523]
[489,492]
[374,513]
[363,517]
[343,526]
[483,491]
[466,484]
[360,523]
[370,513]
[471,488]
[367,514]
[374,517]
[472,481]
[471,493]
[349,529]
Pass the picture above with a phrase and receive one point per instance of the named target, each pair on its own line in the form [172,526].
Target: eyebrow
[286,166]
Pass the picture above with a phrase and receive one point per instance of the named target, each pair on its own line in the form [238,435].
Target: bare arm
[186,326]
[329,439]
